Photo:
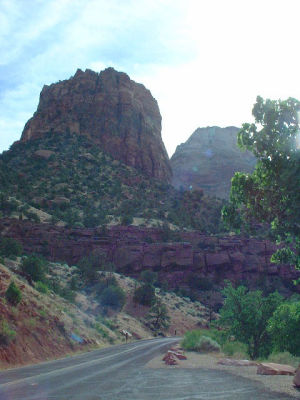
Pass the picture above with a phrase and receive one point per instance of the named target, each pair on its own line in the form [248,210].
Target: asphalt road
[119,373]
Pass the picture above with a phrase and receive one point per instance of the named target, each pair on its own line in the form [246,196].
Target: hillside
[45,325]
[208,161]
[78,183]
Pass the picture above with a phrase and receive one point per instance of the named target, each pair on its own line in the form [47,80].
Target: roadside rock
[275,369]
[296,380]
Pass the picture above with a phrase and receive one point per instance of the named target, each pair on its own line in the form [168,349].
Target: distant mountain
[114,112]
[208,161]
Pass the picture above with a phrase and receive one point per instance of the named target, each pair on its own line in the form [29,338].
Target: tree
[113,296]
[245,314]
[148,276]
[10,247]
[271,194]
[35,267]
[283,327]
[144,295]
[13,294]
[158,316]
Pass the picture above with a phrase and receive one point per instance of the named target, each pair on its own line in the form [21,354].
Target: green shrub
[6,333]
[113,296]
[196,341]
[148,276]
[283,328]
[10,247]
[41,287]
[34,266]
[144,295]
[235,349]
[13,294]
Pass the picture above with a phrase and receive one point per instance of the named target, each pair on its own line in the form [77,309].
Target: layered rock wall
[116,113]
[134,249]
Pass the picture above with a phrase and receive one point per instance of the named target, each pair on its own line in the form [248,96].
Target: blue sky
[205,61]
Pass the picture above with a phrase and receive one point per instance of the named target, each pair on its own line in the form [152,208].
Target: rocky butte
[114,112]
[209,159]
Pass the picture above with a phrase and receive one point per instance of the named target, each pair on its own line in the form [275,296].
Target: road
[119,373]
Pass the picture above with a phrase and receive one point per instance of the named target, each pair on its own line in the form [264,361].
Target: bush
[148,276]
[13,294]
[41,287]
[34,266]
[6,333]
[196,341]
[144,295]
[10,247]
[283,328]
[113,296]
[235,349]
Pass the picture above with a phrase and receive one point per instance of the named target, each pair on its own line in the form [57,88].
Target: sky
[204,61]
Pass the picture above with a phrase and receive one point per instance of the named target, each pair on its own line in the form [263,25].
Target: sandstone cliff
[116,113]
[209,159]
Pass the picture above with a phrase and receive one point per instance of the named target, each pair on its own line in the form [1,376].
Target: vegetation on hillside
[81,185]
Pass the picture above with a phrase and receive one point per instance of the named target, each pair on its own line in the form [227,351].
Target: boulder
[45,154]
[296,380]
[275,369]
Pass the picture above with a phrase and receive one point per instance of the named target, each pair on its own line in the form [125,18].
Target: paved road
[119,373]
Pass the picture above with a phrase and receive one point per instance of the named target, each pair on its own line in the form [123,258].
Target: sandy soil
[280,383]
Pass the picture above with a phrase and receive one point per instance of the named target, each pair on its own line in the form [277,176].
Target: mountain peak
[114,112]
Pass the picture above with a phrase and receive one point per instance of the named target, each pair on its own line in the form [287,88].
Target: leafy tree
[158,316]
[35,267]
[144,295]
[246,314]
[10,247]
[113,296]
[13,294]
[283,327]
[271,194]
[148,276]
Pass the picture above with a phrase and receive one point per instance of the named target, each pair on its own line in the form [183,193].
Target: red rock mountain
[209,159]
[116,113]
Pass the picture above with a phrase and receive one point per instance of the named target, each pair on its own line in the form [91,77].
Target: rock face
[209,159]
[133,249]
[116,113]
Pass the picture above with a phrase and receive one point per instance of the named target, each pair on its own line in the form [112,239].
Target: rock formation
[116,113]
[134,249]
[209,159]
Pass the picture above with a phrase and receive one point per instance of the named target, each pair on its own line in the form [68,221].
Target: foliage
[148,276]
[158,316]
[195,341]
[245,314]
[235,349]
[7,334]
[13,294]
[41,287]
[10,247]
[91,264]
[283,327]
[95,187]
[35,267]
[144,295]
[271,194]
[114,297]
